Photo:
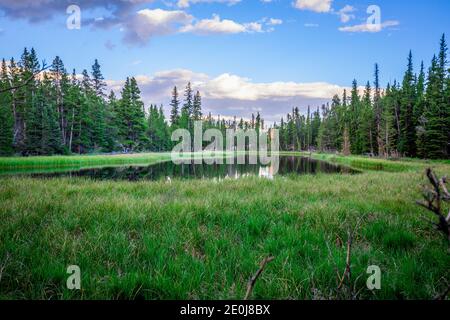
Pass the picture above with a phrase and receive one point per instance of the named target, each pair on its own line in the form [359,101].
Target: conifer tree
[407,144]
[6,116]
[197,107]
[175,106]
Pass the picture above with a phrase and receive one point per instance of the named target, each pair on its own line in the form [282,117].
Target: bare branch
[442,183]
[433,201]
[252,281]
[348,271]
[27,81]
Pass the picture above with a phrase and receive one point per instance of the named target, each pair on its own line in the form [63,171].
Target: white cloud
[311,25]
[230,94]
[274,22]
[41,10]
[234,87]
[187,3]
[217,26]
[144,25]
[320,6]
[345,14]
[367,27]
[147,23]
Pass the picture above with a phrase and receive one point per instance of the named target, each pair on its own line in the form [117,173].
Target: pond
[288,165]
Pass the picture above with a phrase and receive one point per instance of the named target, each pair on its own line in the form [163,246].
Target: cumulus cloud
[235,87]
[148,23]
[216,25]
[230,94]
[139,27]
[368,27]
[321,6]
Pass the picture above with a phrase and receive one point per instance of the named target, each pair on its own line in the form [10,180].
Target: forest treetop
[54,112]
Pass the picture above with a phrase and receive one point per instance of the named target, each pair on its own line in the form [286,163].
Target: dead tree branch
[347,274]
[27,81]
[433,201]
[348,270]
[252,281]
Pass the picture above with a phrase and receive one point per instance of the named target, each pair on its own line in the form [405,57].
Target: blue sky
[244,56]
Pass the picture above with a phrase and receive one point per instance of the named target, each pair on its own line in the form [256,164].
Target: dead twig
[23,84]
[433,201]
[347,274]
[348,270]
[252,281]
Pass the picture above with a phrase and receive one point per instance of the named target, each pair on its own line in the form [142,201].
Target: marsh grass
[80,161]
[203,239]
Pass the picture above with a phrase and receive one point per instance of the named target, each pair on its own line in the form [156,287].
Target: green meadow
[204,239]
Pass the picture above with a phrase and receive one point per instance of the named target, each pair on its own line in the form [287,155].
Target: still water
[288,165]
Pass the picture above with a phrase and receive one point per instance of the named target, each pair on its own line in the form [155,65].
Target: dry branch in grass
[252,281]
[348,270]
[434,197]
[347,274]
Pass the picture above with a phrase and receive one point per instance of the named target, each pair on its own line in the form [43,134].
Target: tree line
[54,112]
[409,118]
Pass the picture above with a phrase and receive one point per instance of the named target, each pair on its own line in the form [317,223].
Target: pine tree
[407,144]
[366,128]
[6,115]
[131,117]
[111,132]
[98,81]
[58,90]
[436,111]
[187,109]
[419,110]
[175,106]
[354,120]
[378,109]
[197,106]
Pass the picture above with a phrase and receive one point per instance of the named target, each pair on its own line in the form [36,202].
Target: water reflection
[288,165]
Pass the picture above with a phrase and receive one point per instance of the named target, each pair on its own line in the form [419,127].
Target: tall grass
[203,239]
[80,160]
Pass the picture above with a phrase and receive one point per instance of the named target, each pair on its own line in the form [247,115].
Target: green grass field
[204,239]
